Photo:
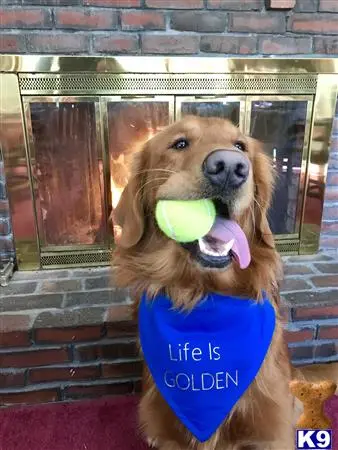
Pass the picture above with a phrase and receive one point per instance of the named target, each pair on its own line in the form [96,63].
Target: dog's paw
[152,442]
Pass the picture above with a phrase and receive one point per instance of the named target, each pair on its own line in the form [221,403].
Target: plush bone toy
[313,396]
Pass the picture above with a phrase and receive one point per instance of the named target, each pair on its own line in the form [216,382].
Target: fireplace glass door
[130,123]
[231,108]
[81,148]
[282,125]
[67,171]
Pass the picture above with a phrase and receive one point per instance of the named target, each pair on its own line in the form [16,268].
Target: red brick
[301,352]
[60,335]
[294,284]
[119,313]
[170,44]
[330,226]
[44,374]
[14,330]
[51,286]
[299,335]
[25,18]
[283,45]
[175,4]
[326,350]
[329,242]
[297,269]
[32,358]
[334,141]
[52,2]
[116,329]
[12,378]
[112,350]
[335,125]
[257,22]
[320,312]
[122,370]
[114,3]
[243,5]
[328,332]
[325,281]
[333,161]
[328,268]
[330,212]
[57,43]
[313,23]
[95,390]
[119,322]
[88,19]
[326,44]
[281,4]
[198,21]
[11,43]
[29,397]
[142,20]
[332,178]
[138,386]
[242,45]
[328,5]
[117,43]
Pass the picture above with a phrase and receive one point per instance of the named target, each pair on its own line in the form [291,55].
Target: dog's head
[192,159]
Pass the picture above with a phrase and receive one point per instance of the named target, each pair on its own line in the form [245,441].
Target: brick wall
[245,27]
[68,334]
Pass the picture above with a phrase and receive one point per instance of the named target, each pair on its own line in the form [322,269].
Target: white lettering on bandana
[202,361]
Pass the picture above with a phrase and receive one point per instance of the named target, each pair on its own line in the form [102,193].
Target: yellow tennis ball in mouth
[185,220]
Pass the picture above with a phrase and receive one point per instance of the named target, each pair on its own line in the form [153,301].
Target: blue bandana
[203,361]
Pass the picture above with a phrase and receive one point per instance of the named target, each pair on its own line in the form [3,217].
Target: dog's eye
[240,146]
[180,144]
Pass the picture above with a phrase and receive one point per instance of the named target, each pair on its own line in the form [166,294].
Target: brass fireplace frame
[59,77]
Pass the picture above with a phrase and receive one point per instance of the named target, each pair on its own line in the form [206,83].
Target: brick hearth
[68,334]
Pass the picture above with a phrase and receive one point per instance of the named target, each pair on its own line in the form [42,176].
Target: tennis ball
[185,220]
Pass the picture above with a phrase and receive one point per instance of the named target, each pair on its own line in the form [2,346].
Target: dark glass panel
[223,109]
[280,125]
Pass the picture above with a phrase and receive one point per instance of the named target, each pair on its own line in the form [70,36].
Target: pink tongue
[225,230]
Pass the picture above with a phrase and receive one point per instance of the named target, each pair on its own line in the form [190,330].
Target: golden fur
[146,260]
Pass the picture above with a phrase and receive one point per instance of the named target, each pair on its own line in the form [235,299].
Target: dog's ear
[264,177]
[129,213]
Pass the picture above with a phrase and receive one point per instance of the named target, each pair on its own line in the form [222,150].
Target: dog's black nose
[226,168]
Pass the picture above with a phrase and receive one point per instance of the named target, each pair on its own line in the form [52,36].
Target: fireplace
[72,124]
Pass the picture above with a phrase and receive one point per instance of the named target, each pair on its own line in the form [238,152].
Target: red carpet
[104,424]
[331,409]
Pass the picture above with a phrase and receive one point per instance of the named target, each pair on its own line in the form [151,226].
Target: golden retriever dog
[192,159]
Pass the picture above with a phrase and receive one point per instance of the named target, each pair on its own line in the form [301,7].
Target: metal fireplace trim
[49,77]
[142,84]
